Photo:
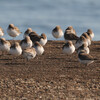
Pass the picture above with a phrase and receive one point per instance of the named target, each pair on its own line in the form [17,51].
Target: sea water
[43,15]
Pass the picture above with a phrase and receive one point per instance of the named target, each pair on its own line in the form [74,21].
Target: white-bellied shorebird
[29,53]
[84,58]
[81,41]
[57,32]
[27,32]
[15,49]
[39,48]
[83,47]
[68,48]
[26,43]
[90,33]
[13,31]
[4,45]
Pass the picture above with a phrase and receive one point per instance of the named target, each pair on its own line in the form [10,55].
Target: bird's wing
[86,57]
[17,29]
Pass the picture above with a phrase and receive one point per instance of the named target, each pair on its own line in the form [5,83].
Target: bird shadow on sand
[98,49]
[67,60]
[76,67]
[96,43]
[14,63]
[70,67]
[5,59]
[52,58]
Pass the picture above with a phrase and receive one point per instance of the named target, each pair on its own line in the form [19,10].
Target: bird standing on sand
[26,43]
[27,32]
[70,29]
[29,53]
[84,58]
[90,33]
[83,47]
[68,48]
[57,32]
[88,38]
[13,31]
[41,39]
[4,45]
[39,49]
[1,32]
[15,49]
[81,41]
[70,35]
[34,37]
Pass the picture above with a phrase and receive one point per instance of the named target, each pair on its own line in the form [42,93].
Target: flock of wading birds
[32,44]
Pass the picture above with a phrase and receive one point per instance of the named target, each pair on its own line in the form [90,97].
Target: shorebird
[26,43]
[38,47]
[27,32]
[34,36]
[70,29]
[1,32]
[29,53]
[57,32]
[68,48]
[81,41]
[4,45]
[70,36]
[90,33]
[43,39]
[84,58]
[87,38]
[83,47]
[13,31]
[15,49]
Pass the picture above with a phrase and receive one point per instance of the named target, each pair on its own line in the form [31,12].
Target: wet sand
[52,76]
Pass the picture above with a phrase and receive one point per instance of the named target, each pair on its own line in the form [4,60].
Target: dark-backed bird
[84,58]
[70,37]
[42,39]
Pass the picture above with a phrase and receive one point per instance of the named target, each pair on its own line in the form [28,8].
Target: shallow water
[43,15]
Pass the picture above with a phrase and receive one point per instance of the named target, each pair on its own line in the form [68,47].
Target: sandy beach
[51,76]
